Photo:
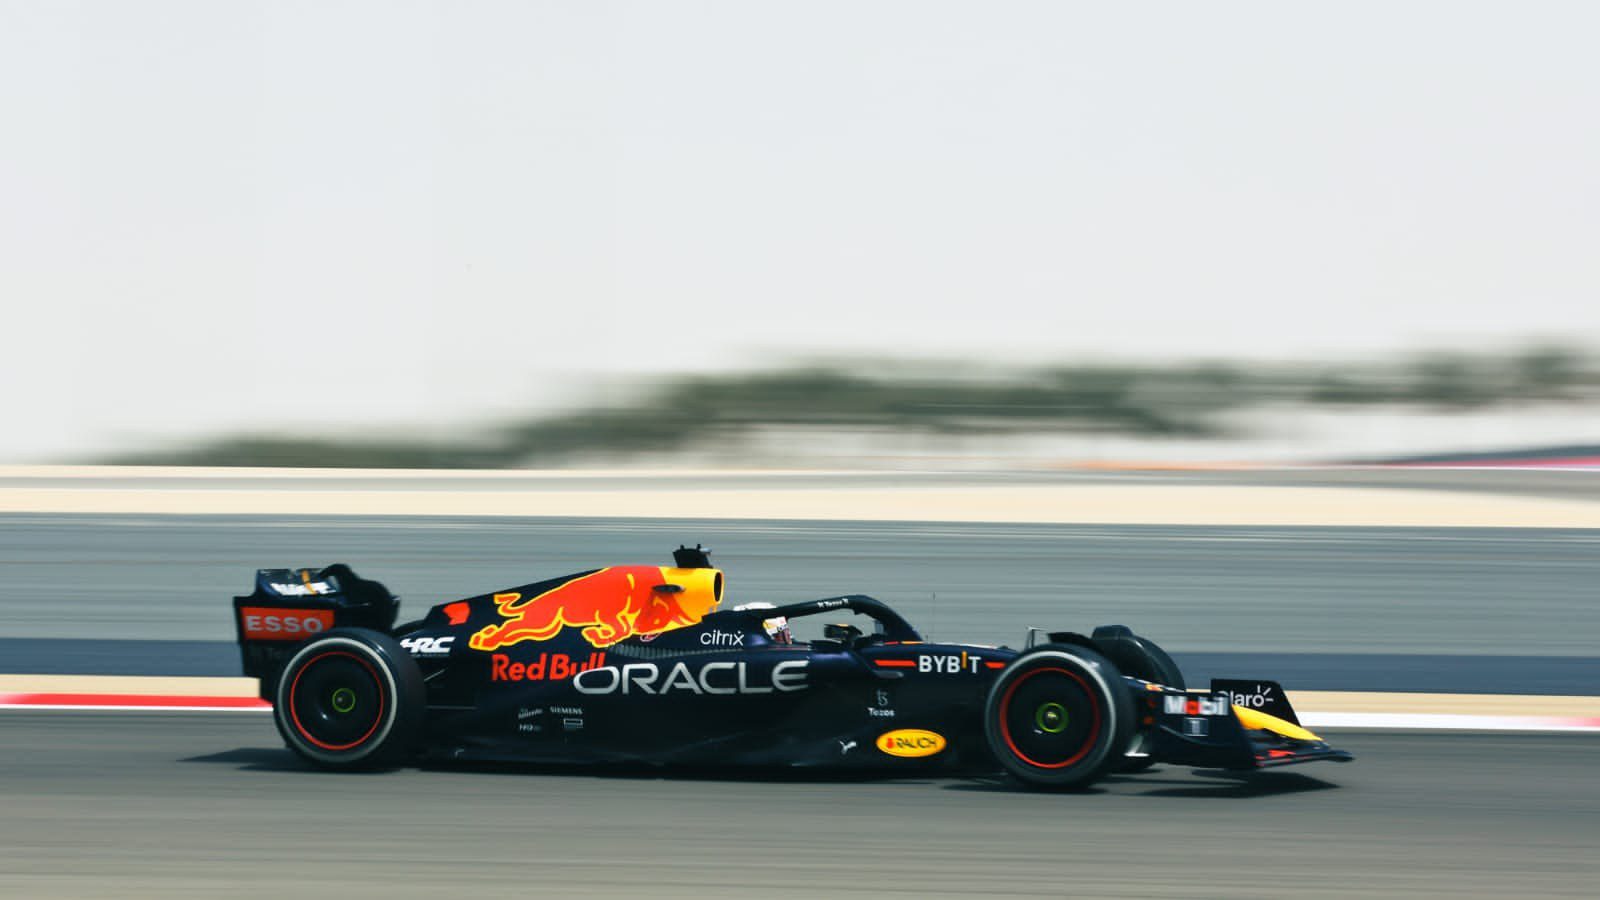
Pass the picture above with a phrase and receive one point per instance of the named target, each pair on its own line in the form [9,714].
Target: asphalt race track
[204,805]
[1429,609]
[1520,592]
[210,805]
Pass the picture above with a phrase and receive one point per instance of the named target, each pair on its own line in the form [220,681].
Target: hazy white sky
[215,212]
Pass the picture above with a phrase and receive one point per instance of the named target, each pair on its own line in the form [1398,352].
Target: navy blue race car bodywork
[637,664]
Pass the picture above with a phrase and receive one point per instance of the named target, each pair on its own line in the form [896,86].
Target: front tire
[1144,659]
[350,699]
[1059,717]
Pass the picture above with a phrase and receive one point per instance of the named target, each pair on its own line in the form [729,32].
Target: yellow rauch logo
[910,742]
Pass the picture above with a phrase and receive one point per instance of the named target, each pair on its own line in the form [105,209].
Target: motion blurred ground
[1212,587]
[145,805]
[152,805]
[1543,499]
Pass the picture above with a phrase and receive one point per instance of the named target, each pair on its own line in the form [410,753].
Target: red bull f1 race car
[639,664]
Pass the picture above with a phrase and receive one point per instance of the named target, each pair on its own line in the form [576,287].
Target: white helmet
[777,627]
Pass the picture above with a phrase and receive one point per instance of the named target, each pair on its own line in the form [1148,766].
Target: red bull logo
[609,605]
[551,666]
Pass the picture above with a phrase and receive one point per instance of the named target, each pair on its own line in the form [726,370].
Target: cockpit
[776,622]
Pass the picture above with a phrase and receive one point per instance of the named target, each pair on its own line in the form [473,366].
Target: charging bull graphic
[609,605]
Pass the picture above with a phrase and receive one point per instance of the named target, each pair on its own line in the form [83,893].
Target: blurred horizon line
[933,405]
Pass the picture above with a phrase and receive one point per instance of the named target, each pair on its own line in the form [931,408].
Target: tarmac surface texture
[1194,589]
[208,805]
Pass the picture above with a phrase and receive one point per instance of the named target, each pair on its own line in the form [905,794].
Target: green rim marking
[344,700]
[1051,718]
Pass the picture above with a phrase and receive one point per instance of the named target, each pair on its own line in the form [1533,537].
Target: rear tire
[350,699]
[1059,717]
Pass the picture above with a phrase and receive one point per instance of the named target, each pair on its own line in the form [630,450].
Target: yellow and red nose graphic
[609,605]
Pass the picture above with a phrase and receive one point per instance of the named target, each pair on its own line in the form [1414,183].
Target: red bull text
[545,667]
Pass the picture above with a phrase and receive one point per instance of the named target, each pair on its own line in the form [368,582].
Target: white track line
[1446,722]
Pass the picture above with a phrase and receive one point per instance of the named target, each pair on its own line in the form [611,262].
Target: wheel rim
[336,700]
[1050,718]
[343,700]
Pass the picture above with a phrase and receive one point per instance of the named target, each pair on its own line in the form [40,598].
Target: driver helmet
[777,627]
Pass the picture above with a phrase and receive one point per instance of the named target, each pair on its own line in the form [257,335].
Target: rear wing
[288,606]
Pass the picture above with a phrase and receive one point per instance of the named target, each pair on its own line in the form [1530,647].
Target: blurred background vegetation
[1193,401]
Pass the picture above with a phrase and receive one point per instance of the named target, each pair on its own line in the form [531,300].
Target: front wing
[1211,729]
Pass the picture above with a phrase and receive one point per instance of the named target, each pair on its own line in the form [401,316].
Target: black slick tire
[1140,658]
[1059,717]
[350,699]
